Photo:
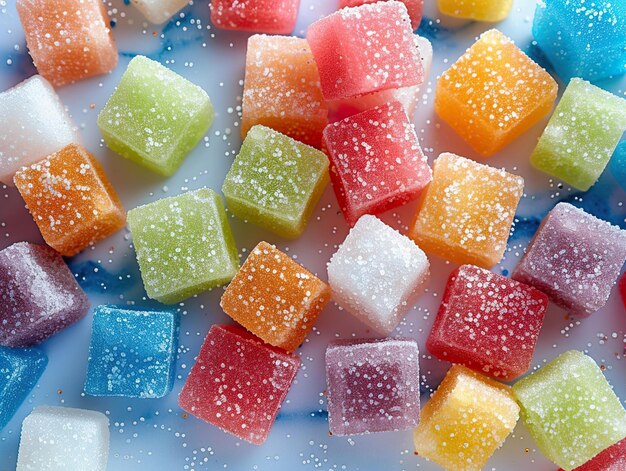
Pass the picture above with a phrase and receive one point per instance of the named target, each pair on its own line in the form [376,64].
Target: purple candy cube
[38,295]
[373,385]
[575,258]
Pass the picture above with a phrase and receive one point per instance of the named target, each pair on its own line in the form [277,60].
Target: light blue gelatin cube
[618,164]
[20,369]
[132,352]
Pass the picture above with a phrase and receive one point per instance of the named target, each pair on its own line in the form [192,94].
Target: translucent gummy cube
[575,258]
[238,383]
[373,385]
[467,211]
[618,164]
[480,10]
[155,117]
[33,125]
[20,369]
[159,11]
[465,421]
[571,410]
[260,16]
[582,134]
[275,182]
[611,459]
[491,105]
[275,298]
[622,288]
[414,7]
[39,295]
[63,439]
[132,352]
[183,244]
[376,273]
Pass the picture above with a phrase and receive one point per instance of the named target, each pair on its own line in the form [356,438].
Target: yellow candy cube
[481,10]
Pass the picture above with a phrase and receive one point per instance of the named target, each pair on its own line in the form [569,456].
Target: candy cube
[467,211]
[39,295]
[611,459]
[622,288]
[365,49]
[488,323]
[61,438]
[159,11]
[373,385]
[575,258]
[275,298]
[376,161]
[68,40]
[414,7]
[155,117]
[618,164]
[132,352]
[582,134]
[571,410]
[275,182]
[20,369]
[261,16]
[493,93]
[71,199]
[282,90]
[480,10]
[184,245]
[33,125]
[376,274]
[238,383]
[582,39]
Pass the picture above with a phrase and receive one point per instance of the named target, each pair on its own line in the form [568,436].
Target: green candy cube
[275,181]
[582,134]
[184,245]
[155,117]
[571,410]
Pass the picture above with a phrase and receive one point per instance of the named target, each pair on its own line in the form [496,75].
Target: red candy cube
[488,323]
[261,16]
[622,288]
[611,459]
[238,383]
[376,161]
[414,7]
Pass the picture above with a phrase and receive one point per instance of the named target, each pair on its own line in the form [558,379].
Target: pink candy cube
[611,459]
[414,7]
[261,16]
[622,288]
[376,161]
[365,49]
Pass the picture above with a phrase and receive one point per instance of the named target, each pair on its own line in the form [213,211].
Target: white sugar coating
[64,439]
[159,11]
[33,125]
[376,273]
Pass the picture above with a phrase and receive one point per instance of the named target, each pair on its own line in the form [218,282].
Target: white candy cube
[159,11]
[376,273]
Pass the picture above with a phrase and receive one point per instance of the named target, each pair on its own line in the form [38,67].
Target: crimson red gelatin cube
[260,16]
[622,288]
[611,459]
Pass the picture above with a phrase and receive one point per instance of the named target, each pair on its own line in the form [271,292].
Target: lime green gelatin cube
[582,134]
[184,245]
[155,117]
[275,181]
[571,410]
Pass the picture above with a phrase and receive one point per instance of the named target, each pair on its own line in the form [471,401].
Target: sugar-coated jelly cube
[493,93]
[132,352]
[575,258]
[365,49]
[622,288]
[414,7]
[618,164]
[20,369]
[275,298]
[159,11]
[68,40]
[376,161]
[33,125]
[63,439]
[376,273]
[581,38]
[611,459]
[373,385]
[488,323]
[282,90]
[275,182]
[571,410]
[38,293]
[481,10]
[184,245]
[260,16]
[465,421]
[467,211]
[71,199]
[155,117]
[238,383]
[581,135]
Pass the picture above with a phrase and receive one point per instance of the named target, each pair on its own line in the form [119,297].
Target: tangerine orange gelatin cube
[71,199]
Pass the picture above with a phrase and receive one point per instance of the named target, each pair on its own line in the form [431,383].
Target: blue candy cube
[618,164]
[132,352]
[20,369]
[582,38]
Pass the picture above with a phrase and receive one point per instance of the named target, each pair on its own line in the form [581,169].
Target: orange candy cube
[71,199]
[275,298]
